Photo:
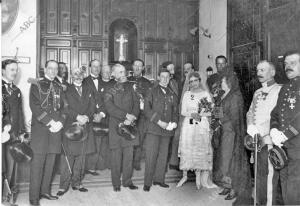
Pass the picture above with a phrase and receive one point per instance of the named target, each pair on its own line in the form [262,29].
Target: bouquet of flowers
[205,104]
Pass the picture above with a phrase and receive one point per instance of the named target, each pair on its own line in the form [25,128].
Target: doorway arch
[129,30]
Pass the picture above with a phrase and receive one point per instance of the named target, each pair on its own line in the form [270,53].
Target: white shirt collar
[77,85]
[47,77]
[59,79]
[4,79]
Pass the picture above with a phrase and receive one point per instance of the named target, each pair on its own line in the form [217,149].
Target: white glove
[252,130]
[5,134]
[169,127]
[130,117]
[56,127]
[82,119]
[277,137]
[174,124]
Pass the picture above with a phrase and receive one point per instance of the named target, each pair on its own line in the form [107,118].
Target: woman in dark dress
[231,169]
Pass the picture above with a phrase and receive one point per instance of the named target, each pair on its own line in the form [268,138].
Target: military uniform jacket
[12,108]
[79,105]
[263,102]
[99,106]
[286,116]
[46,101]
[161,104]
[119,101]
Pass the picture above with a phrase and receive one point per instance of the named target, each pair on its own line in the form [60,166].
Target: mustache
[260,76]
[288,69]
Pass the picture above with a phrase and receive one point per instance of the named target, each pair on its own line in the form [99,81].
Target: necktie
[9,88]
[79,90]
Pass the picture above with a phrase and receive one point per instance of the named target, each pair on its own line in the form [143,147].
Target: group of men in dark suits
[57,105]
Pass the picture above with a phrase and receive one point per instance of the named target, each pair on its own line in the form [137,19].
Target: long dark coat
[79,105]
[231,166]
[119,101]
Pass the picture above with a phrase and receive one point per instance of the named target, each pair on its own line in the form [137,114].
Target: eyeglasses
[195,80]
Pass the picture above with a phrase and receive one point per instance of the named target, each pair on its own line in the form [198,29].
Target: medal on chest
[262,96]
[292,102]
[192,97]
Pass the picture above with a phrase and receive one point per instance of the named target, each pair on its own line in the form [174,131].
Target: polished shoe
[80,189]
[61,192]
[49,197]
[34,202]
[94,173]
[231,195]
[225,191]
[164,185]
[132,187]
[146,188]
[117,189]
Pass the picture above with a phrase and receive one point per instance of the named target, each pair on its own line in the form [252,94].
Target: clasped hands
[167,126]
[55,126]
[82,119]
[98,117]
[130,118]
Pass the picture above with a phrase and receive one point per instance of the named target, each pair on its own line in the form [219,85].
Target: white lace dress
[194,149]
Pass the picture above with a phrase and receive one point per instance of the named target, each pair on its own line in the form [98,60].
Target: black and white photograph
[150,102]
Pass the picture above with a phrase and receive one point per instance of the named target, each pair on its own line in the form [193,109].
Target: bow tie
[94,78]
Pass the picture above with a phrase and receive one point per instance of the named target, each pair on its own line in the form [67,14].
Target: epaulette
[34,80]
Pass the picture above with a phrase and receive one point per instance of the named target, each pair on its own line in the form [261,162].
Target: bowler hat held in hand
[76,132]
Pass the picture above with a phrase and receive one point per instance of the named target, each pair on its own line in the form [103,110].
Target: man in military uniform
[258,122]
[62,75]
[285,128]
[46,104]
[122,105]
[93,82]
[14,116]
[162,115]
[142,86]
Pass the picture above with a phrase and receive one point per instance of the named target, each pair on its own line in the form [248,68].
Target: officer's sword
[66,157]
[255,167]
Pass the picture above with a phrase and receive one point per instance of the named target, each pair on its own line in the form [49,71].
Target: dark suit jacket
[79,105]
[46,107]
[160,106]
[120,100]
[12,106]
[99,107]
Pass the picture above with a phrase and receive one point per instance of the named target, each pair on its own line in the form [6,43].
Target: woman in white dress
[195,149]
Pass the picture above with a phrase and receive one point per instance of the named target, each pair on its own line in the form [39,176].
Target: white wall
[212,16]
[27,44]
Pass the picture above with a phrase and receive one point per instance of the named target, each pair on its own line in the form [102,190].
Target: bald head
[119,72]
[265,71]
[106,72]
